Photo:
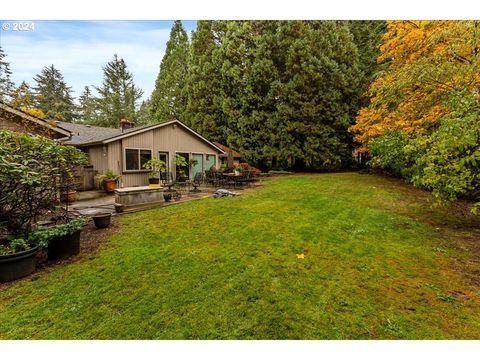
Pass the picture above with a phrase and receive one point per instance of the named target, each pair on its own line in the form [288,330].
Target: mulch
[91,239]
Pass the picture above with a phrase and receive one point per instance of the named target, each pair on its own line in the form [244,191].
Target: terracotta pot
[109,185]
[68,196]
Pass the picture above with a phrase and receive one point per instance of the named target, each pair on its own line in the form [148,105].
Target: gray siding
[172,138]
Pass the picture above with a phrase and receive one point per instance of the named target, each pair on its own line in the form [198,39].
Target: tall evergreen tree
[53,96]
[367,35]
[203,109]
[167,100]
[6,84]
[319,93]
[289,91]
[87,109]
[143,115]
[249,83]
[118,95]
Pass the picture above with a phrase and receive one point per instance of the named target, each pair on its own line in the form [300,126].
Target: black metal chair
[219,179]
[209,177]
[248,177]
[197,182]
[166,177]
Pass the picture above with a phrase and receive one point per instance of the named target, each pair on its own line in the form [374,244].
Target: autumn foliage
[423,121]
[427,61]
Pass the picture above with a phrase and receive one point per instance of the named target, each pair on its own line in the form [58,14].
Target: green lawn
[378,263]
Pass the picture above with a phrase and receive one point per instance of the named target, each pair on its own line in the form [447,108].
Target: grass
[378,263]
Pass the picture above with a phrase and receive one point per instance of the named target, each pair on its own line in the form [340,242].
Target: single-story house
[126,149]
[20,121]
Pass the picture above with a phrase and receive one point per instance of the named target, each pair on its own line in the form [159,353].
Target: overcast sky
[79,49]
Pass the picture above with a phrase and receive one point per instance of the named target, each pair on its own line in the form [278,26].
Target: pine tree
[53,96]
[289,91]
[118,95]
[143,115]
[87,109]
[319,92]
[249,83]
[203,109]
[167,100]
[367,35]
[6,84]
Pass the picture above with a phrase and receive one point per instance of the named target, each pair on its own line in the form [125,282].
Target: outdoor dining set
[179,185]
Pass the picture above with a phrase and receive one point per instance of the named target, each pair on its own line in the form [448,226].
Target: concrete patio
[92,202]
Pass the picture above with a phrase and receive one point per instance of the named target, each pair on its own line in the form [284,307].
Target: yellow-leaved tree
[427,62]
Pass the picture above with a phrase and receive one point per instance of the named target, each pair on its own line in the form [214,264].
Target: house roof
[87,135]
[227,150]
[50,125]
[84,134]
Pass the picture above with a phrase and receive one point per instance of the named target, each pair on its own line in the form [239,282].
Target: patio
[94,201]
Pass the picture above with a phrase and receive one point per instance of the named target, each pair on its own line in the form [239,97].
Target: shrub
[447,161]
[32,168]
[387,153]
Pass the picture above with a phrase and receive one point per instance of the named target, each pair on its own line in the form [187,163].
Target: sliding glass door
[197,166]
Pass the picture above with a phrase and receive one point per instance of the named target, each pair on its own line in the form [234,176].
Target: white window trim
[139,164]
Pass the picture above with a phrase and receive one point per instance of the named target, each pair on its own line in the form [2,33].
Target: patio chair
[209,177]
[249,178]
[218,179]
[166,177]
[181,183]
[244,178]
[197,181]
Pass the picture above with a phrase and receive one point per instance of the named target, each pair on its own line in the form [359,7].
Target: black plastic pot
[102,220]
[62,247]
[18,265]
[167,195]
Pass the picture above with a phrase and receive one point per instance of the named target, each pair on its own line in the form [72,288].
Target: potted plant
[238,170]
[156,166]
[62,240]
[17,259]
[109,181]
[68,196]
[181,164]
[33,171]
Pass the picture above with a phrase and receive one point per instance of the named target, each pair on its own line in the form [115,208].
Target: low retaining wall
[141,197]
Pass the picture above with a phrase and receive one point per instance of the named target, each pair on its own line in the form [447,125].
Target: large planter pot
[102,220]
[18,265]
[62,247]
[154,182]
[167,195]
[68,196]
[109,186]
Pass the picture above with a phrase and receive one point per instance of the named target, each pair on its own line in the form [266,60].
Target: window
[164,157]
[136,158]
